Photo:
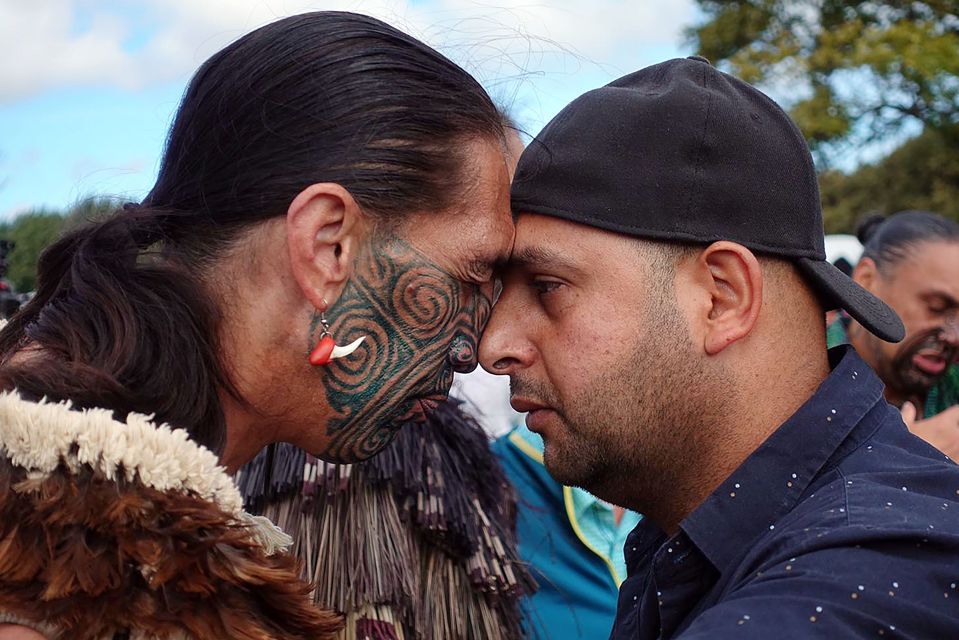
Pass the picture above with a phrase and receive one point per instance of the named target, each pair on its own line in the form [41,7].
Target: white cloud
[39,51]
[41,48]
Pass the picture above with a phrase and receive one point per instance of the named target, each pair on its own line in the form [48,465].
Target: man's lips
[524,405]
[537,414]
[930,363]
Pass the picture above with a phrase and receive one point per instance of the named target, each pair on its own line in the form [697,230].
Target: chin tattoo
[419,324]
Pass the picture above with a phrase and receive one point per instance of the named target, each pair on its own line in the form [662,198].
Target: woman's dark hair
[887,240]
[121,318]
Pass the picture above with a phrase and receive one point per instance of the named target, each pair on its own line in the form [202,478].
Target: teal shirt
[571,544]
[592,519]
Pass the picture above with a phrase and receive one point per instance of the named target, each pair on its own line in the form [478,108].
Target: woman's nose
[462,354]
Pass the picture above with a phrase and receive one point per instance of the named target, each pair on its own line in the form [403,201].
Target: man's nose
[504,347]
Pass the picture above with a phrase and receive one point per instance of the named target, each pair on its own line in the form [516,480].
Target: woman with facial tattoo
[312,265]
[911,261]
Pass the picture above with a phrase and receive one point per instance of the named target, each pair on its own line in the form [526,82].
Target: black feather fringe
[420,537]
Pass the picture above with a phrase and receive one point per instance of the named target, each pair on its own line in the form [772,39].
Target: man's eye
[543,287]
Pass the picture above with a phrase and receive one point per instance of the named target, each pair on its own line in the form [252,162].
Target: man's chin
[569,470]
[917,383]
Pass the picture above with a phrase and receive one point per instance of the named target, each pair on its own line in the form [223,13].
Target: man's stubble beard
[640,421]
[899,373]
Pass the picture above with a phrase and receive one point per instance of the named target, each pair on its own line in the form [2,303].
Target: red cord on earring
[324,349]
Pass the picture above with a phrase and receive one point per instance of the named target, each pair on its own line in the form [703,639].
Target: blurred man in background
[911,261]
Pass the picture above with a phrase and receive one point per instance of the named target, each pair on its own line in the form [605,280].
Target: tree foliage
[34,230]
[923,173]
[858,71]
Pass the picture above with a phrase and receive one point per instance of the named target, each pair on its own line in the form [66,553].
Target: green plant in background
[34,230]
[923,173]
[866,69]
[854,73]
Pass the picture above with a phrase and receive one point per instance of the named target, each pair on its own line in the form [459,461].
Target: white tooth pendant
[327,349]
[341,352]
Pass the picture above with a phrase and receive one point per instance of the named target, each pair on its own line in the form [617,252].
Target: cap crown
[678,151]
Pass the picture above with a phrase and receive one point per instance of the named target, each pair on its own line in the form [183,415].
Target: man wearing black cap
[662,323]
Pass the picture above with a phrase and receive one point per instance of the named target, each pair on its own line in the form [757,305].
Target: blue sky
[88,88]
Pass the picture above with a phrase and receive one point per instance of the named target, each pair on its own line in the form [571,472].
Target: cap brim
[838,290]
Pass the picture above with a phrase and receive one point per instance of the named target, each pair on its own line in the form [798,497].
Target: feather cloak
[113,530]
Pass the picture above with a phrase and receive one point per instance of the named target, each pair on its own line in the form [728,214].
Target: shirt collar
[772,479]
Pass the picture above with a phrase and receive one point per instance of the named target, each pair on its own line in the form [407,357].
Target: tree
[864,70]
[34,230]
[923,173]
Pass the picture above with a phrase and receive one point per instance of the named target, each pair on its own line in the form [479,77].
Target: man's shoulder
[863,547]
[893,489]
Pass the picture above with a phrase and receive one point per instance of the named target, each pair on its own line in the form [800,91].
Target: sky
[88,88]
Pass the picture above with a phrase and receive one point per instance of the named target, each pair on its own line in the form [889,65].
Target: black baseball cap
[682,152]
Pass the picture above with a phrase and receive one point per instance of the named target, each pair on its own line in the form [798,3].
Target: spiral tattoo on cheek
[421,324]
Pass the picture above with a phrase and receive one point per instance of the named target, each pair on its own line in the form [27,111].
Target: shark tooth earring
[326,348]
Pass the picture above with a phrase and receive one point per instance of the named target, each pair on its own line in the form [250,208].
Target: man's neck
[765,400]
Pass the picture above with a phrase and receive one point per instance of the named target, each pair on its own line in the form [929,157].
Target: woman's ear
[324,231]
[735,282]
[866,275]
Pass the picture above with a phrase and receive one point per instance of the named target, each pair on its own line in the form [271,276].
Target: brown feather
[94,556]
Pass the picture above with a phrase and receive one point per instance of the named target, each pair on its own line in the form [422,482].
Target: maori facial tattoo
[421,323]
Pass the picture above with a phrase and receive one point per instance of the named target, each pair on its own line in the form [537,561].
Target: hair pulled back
[121,318]
[887,240]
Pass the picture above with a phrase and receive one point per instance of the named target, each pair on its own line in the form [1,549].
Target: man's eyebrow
[533,258]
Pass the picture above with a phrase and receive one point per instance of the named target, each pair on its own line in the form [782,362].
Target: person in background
[486,398]
[911,261]
[312,265]
[572,542]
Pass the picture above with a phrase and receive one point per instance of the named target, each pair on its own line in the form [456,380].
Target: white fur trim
[42,628]
[38,435]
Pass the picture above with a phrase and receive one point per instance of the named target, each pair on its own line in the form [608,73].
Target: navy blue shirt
[841,524]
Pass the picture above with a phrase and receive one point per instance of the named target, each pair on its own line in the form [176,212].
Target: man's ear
[866,275]
[324,228]
[734,281]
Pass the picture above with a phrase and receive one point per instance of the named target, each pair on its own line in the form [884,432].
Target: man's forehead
[547,244]
[547,241]
[934,267]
